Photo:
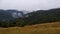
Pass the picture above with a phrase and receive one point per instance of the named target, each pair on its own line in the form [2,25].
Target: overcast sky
[29,4]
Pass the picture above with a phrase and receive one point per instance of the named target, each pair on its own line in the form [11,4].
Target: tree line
[36,17]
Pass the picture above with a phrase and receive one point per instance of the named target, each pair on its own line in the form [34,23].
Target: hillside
[10,18]
[46,28]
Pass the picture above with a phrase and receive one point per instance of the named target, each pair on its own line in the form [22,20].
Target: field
[46,28]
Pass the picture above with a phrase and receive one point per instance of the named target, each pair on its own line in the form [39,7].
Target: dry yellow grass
[47,28]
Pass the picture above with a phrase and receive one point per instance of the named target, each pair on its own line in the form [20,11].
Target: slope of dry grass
[47,28]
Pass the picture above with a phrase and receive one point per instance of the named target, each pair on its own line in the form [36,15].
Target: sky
[29,4]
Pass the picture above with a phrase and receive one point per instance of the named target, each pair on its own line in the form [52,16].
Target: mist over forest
[10,18]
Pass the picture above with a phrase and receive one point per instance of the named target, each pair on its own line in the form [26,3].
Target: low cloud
[29,4]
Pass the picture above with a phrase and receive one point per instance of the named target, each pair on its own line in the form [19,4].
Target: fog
[29,5]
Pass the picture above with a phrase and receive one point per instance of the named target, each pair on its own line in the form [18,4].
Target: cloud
[29,4]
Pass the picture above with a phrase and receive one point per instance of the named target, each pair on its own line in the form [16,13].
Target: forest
[35,17]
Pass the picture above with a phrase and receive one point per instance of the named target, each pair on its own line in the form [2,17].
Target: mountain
[10,18]
[42,16]
[6,15]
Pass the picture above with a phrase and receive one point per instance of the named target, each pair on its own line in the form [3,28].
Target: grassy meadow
[46,28]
